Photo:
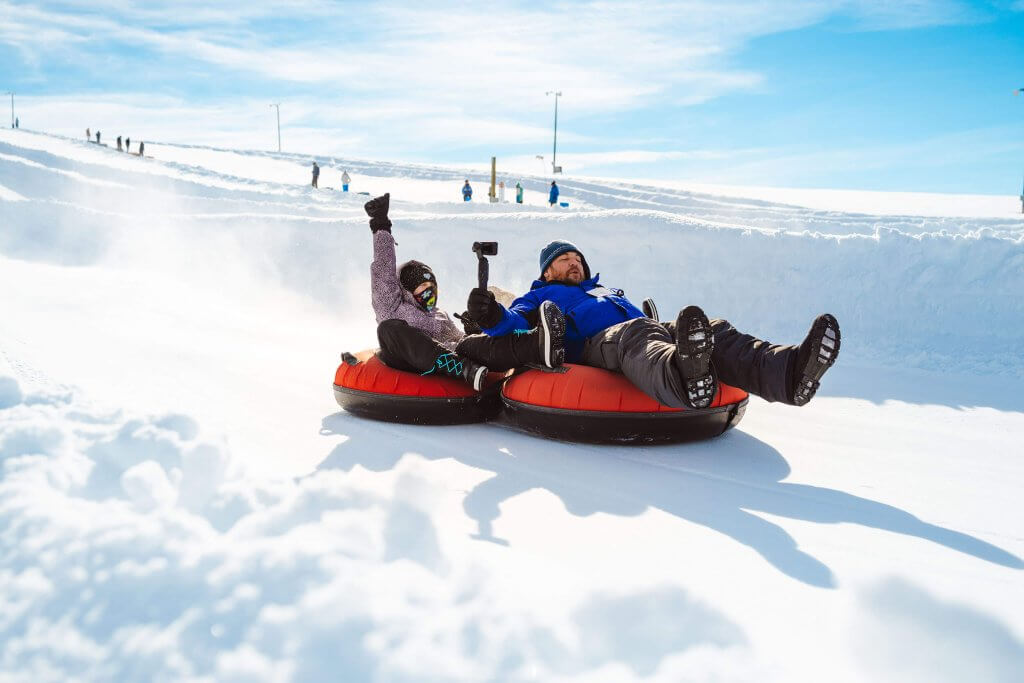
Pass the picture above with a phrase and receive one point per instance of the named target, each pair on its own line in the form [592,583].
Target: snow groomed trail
[181,498]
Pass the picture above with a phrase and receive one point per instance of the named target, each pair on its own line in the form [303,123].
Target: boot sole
[552,343]
[823,355]
[694,344]
[478,378]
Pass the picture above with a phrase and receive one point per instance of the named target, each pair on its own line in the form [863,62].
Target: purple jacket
[390,300]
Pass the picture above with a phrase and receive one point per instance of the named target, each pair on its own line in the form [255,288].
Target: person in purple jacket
[417,336]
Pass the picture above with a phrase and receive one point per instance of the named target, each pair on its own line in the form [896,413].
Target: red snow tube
[597,406]
[369,388]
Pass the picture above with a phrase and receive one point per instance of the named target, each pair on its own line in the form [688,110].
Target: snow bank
[133,549]
[934,293]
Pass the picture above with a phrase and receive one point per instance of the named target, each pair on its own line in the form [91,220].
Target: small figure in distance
[316,173]
[553,195]
[467,192]
[345,181]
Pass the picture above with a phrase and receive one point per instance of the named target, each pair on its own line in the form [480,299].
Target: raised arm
[386,290]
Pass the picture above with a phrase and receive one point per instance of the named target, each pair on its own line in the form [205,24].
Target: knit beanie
[414,273]
[555,249]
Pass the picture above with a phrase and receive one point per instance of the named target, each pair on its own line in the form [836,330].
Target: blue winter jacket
[553,195]
[585,314]
[467,191]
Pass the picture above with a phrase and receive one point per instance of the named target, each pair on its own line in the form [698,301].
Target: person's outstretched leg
[645,352]
[816,354]
[773,371]
[407,348]
[542,345]
[694,347]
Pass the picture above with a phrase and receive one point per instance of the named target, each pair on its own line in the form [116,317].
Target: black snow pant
[644,351]
[404,347]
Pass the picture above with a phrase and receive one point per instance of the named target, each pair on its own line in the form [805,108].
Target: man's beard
[566,282]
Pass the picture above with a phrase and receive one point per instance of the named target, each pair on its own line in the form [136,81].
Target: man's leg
[542,345]
[789,374]
[752,364]
[645,352]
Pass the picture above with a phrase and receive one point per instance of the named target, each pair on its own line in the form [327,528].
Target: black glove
[482,307]
[377,210]
[469,326]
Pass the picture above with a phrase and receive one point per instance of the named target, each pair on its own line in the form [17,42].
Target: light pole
[12,107]
[277,105]
[554,147]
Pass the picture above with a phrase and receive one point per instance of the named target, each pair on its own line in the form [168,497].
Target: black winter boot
[694,344]
[551,334]
[469,372]
[816,354]
[544,344]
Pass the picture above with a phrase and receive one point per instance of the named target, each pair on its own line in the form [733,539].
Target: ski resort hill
[181,498]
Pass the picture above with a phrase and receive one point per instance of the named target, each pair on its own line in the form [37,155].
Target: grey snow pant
[644,351]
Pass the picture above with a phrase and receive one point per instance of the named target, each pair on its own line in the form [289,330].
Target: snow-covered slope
[181,498]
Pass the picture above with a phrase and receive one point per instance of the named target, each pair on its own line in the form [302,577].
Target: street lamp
[12,107]
[554,148]
[277,105]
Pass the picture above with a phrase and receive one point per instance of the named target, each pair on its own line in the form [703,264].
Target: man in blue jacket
[678,364]
[553,194]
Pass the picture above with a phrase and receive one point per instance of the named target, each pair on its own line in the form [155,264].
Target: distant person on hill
[88,135]
[677,364]
[316,173]
[17,122]
[553,194]
[519,193]
[467,192]
[344,181]
[417,336]
[119,147]
[128,144]
[97,137]
[142,148]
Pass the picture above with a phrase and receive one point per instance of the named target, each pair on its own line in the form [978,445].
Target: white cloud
[401,76]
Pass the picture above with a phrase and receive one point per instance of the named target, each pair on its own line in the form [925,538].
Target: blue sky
[856,94]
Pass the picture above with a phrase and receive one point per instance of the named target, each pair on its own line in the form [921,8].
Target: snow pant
[644,350]
[404,347]
[314,181]
[344,187]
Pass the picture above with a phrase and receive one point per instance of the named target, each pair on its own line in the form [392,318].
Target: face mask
[427,298]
